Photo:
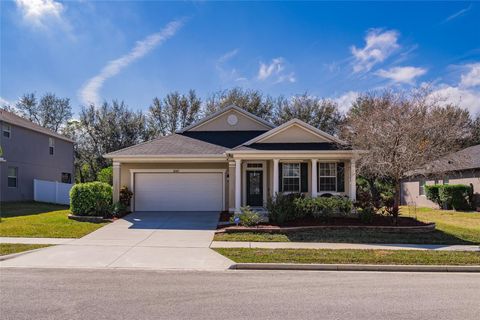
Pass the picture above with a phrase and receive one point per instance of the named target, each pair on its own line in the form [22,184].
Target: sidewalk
[36,240]
[335,246]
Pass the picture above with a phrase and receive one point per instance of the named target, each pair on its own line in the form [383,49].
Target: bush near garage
[91,199]
[456,196]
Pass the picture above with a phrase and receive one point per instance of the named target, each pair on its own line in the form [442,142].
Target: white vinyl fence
[51,191]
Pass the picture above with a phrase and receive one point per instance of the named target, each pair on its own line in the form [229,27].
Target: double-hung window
[12,177]
[51,146]
[421,187]
[291,177]
[7,130]
[327,176]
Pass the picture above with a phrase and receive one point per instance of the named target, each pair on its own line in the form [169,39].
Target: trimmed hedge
[323,207]
[91,199]
[450,196]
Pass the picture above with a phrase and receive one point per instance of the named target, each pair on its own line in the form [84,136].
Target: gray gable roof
[314,146]
[13,119]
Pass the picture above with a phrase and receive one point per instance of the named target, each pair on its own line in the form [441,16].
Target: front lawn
[452,228]
[41,220]
[9,248]
[350,256]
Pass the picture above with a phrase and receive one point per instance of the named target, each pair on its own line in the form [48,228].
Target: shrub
[119,210]
[325,207]
[432,192]
[125,196]
[455,196]
[106,175]
[366,215]
[91,199]
[248,218]
[282,208]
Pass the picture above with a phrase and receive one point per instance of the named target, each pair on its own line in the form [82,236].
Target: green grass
[9,248]
[452,228]
[350,256]
[42,220]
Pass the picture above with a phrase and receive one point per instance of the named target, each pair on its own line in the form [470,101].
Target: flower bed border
[94,219]
[428,227]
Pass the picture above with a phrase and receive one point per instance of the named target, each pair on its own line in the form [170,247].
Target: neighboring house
[31,152]
[232,159]
[462,167]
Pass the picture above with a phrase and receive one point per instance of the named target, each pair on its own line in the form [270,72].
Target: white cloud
[38,11]
[4,102]
[379,45]
[345,101]
[90,92]
[464,98]
[275,70]
[472,78]
[227,56]
[458,14]
[401,74]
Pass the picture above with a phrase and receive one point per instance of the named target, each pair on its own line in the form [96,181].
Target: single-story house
[462,167]
[231,159]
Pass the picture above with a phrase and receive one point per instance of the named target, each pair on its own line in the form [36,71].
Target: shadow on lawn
[26,208]
[368,236]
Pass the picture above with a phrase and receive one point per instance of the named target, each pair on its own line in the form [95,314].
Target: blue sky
[134,51]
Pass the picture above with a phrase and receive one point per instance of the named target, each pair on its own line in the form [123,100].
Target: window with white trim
[291,177]
[12,177]
[7,130]
[327,176]
[51,146]
[421,187]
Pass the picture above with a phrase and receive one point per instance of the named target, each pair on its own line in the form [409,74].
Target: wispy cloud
[472,77]
[275,70]
[5,102]
[90,92]
[38,12]
[457,14]
[379,45]
[225,72]
[402,74]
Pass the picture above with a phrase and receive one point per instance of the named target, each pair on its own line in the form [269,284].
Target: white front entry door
[187,191]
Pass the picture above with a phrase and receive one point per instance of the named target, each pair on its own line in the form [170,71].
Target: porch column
[238,185]
[353,180]
[314,178]
[275,177]
[116,181]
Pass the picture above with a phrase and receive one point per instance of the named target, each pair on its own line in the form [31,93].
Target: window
[421,187]
[446,180]
[12,177]
[7,130]
[328,176]
[66,177]
[51,146]
[291,177]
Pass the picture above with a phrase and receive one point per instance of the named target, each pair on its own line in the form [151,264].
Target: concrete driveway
[149,240]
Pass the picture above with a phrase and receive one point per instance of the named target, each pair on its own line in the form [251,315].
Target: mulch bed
[225,216]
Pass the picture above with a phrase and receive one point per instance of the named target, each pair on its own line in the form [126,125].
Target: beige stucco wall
[220,123]
[410,189]
[293,134]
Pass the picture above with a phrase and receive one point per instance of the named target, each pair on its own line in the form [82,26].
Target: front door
[255,188]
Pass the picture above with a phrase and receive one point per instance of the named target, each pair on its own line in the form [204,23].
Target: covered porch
[255,177]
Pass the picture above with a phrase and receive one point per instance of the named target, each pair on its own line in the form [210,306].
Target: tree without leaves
[50,112]
[321,113]
[403,131]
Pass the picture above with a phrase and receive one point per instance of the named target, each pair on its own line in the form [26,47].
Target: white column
[314,178]
[353,180]
[275,177]
[116,181]
[238,185]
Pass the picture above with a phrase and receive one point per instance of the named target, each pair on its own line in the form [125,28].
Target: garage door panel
[179,191]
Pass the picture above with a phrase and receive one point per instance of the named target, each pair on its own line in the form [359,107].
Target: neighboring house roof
[13,119]
[465,159]
[221,111]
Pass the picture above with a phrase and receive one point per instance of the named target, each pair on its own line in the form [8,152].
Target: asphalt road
[133,294]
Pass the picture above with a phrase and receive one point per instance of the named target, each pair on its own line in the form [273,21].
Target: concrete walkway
[147,240]
[36,240]
[322,245]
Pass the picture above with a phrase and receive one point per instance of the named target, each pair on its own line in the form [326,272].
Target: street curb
[353,267]
[18,254]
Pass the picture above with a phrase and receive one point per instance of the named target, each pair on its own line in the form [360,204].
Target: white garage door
[199,191]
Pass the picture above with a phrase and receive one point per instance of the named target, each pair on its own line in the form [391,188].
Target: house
[462,167]
[231,159]
[31,152]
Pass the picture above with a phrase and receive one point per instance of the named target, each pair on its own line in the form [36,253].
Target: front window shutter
[340,177]
[280,177]
[304,177]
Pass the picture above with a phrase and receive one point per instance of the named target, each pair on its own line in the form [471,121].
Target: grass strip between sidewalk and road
[9,248]
[350,256]
[41,220]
